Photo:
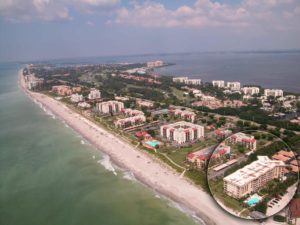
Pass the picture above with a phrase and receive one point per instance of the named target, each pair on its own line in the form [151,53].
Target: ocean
[50,175]
[278,69]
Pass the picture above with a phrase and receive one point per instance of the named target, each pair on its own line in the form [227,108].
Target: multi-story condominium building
[130,121]
[184,114]
[76,98]
[193,81]
[94,94]
[222,133]
[84,105]
[110,107]
[155,63]
[144,103]
[33,82]
[182,132]
[132,112]
[252,177]
[200,158]
[180,79]
[273,92]
[250,90]
[235,86]
[244,139]
[186,80]
[62,90]
[218,83]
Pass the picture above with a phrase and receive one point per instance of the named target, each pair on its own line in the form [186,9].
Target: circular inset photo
[252,174]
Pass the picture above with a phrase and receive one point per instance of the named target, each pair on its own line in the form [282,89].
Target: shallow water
[51,175]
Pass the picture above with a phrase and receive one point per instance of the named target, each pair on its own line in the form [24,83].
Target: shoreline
[144,167]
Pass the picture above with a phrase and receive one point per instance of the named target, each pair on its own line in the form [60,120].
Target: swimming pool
[153,143]
[253,201]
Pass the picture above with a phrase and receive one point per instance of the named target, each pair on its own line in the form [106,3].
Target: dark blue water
[268,69]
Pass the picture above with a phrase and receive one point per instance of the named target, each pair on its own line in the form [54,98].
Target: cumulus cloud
[208,13]
[49,10]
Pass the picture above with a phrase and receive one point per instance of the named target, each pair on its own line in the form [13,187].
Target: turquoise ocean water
[50,175]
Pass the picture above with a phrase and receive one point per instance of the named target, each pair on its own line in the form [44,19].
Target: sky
[50,29]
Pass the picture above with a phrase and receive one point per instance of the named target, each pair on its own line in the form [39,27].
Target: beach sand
[146,168]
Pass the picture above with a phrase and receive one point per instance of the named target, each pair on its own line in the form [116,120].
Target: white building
[84,105]
[274,92]
[252,177]
[193,81]
[76,98]
[186,80]
[182,132]
[234,86]
[250,90]
[218,83]
[94,94]
[180,79]
[110,107]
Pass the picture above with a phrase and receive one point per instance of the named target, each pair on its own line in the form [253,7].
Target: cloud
[208,13]
[49,10]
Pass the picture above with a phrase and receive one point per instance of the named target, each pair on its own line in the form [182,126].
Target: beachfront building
[155,64]
[144,103]
[110,107]
[218,83]
[33,82]
[273,92]
[84,105]
[243,139]
[182,132]
[199,159]
[94,94]
[252,177]
[62,90]
[130,121]
[76,98]
[132,112]
[184,114]
[234,86]
[250,90]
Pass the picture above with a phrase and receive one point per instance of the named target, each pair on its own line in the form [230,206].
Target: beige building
[110,107]
[243,139]
[132,112]
[252,177]
[182,132]
[130,121]
[184,114]
[144,103]
[155,63]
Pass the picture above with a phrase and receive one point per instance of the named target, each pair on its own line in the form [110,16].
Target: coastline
[145,168]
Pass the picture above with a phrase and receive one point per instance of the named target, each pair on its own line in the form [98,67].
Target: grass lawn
[217,190]
[178,155]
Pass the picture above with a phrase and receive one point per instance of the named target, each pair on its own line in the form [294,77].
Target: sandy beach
[145,167]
